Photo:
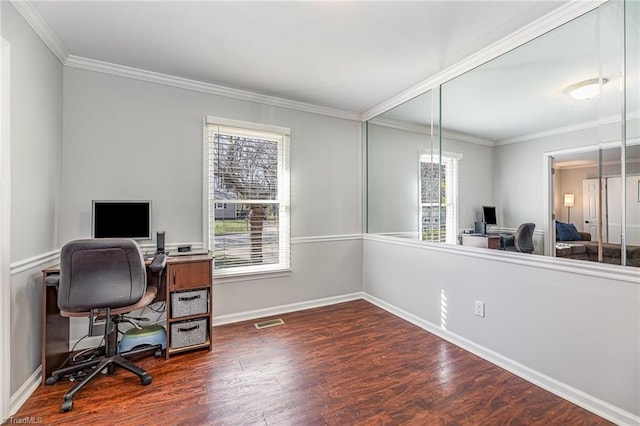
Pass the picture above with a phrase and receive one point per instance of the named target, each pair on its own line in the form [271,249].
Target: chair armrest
[52,280]
[158,263]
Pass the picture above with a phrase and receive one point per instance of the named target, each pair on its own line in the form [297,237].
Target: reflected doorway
[591,179]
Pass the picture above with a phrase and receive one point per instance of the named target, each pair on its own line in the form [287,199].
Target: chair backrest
[524,238]
[101,273]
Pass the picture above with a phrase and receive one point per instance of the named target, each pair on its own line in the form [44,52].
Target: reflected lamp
[569,201]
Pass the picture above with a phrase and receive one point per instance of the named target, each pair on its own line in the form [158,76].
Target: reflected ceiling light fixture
[586,89]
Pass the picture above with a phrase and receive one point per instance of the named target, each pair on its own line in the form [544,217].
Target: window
[247,189]
[439,197]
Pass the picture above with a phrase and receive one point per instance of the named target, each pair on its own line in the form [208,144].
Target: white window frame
[255,130]
[451,160]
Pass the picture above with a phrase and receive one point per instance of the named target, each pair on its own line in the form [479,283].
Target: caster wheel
[67,406]
[146,380]
[50,380]
[158,353]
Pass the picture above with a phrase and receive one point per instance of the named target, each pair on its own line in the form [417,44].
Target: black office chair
[104,278]
[522,241]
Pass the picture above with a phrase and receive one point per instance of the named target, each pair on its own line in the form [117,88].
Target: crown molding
[426,130]
[33,18]
[198,86]
[569,129]
[552,20]
[401,125]
[463,137]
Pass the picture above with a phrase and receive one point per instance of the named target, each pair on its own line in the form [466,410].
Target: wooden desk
[481,240]
[184,273]
[55,328]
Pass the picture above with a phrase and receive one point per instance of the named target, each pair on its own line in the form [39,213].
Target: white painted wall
[129,139]
[573,330]
[36,134]
[36,183]
[393,179]
[476,175]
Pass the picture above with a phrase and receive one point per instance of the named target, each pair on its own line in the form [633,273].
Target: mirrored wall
[547,134]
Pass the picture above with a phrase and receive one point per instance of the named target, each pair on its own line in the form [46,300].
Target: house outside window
[439,197]
[247,193]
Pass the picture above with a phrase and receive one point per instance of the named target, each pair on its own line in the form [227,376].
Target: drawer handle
[187,299]
[195,327]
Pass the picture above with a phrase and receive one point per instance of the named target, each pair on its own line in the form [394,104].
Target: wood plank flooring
[345,364]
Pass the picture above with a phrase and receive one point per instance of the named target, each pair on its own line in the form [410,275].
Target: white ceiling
[344,55]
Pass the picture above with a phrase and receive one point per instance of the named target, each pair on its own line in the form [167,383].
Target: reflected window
[439,197]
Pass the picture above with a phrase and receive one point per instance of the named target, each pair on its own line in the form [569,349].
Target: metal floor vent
[269,323]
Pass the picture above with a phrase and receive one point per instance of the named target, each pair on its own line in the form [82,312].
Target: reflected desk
[490,241]
[191,274]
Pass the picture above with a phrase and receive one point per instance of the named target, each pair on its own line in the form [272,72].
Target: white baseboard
[576,396]
[283,309]
[26,390]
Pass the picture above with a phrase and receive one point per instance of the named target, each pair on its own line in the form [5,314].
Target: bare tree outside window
[433,201]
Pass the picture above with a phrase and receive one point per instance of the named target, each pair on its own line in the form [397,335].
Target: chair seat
[148,297]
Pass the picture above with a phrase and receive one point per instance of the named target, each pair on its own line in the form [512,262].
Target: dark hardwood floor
[346,364]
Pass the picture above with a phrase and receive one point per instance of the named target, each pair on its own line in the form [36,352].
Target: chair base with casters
[108,361]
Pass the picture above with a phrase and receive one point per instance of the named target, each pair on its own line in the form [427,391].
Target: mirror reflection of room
[506,126]
[588,205]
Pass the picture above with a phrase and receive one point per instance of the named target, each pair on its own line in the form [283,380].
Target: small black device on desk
[160,242]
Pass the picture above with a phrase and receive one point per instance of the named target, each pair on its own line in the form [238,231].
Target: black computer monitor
[121,219]
[489,215]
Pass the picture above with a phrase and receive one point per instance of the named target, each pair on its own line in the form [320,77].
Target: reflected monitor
[489,215]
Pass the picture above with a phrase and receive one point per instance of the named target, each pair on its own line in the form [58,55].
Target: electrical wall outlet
[479,309]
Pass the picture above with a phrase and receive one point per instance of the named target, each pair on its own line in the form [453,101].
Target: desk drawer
[185,303]
[189,333]
[183,276]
